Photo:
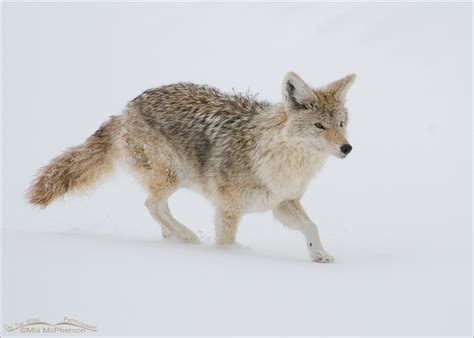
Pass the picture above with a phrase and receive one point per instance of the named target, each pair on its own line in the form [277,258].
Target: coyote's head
[318,117]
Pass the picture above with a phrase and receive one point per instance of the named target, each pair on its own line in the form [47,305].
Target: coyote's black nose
[346,149]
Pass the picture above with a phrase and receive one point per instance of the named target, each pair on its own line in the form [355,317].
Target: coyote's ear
[296,93]
[340,87]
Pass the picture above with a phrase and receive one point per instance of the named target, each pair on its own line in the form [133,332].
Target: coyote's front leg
[227,217]
[292,214]
[227,222]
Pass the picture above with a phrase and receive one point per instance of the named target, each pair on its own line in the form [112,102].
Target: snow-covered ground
[148,286]
[395,214]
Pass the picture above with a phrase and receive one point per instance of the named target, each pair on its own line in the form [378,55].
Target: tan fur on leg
[227,217]
[156,172]
[158,207]
[292,214]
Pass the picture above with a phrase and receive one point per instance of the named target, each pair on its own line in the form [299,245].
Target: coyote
[242,154]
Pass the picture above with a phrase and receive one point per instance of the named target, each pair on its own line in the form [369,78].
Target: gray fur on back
[213,129]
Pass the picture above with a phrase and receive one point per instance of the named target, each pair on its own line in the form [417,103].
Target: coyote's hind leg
[164,183]
[156,171]
[157,204]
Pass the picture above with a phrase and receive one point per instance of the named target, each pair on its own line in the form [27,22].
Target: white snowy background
[395,214]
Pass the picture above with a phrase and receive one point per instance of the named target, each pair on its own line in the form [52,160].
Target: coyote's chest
[284,173]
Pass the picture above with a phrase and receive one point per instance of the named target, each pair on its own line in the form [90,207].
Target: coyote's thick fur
[242,154]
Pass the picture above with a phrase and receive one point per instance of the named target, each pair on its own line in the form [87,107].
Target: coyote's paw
[226,241]
[322,256]
[167,234]
[188,237]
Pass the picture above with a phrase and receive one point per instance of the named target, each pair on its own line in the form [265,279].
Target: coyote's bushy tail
[78,167]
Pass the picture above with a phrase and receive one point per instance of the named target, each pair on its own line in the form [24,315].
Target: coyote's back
[209,129]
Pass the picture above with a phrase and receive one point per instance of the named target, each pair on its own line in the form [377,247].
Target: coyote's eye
[341,124]
[319,125]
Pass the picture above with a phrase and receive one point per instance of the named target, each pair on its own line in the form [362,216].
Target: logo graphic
[37,326]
